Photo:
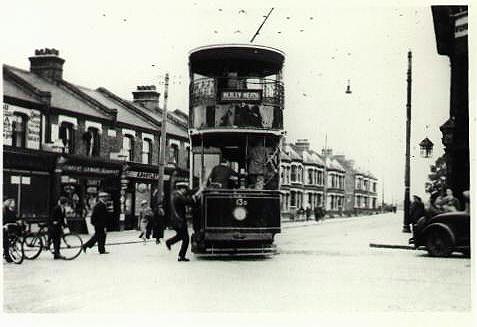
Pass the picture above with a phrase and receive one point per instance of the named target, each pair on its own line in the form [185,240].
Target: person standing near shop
[145,220]
[56,222]
[9,217]
[158,220]
[99,219]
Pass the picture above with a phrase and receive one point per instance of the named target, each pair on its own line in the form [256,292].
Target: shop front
[27,178]
[80,180]
[139,182]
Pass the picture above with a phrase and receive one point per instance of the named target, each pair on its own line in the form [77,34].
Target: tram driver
[222,175]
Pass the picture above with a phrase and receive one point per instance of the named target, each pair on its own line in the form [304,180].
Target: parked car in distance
[443,234]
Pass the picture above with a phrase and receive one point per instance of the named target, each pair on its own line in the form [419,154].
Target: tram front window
[238,162]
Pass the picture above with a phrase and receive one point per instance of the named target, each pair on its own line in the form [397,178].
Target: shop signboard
[142,175]
[89,169]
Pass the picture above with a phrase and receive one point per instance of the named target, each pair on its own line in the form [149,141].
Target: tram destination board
[241,95]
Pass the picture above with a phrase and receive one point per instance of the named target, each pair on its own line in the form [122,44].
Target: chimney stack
[47,63]
[147,96]
[327,152]
[302,144]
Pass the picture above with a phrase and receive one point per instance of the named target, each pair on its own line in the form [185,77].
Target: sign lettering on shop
[142,174]
[87,169]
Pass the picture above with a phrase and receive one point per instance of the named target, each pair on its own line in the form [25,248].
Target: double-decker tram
[236,127]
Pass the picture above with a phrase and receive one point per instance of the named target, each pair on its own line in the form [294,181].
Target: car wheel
[439,243]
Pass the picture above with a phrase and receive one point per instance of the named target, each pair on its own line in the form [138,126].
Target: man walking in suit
[56,224]
[99,219]
[180,199]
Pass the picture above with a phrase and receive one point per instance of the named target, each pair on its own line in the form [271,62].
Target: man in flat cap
[179,200]
[99,218]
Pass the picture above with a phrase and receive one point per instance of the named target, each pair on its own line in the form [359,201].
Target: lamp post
[123,155]
[163,144]
[406,224]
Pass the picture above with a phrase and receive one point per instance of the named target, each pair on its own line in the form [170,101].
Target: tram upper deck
[236,86]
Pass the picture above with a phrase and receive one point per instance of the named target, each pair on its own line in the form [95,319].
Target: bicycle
[71,244]
[15,243]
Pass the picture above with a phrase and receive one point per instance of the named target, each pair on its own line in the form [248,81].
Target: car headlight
[240,213]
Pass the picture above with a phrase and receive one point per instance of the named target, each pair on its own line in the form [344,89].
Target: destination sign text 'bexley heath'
[241,95]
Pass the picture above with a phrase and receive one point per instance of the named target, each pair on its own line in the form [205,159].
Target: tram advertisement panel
[224,211]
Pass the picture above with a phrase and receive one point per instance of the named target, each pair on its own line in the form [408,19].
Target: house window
[310,176]
[188,157]
[128,146]
[67,136]
[19,130]
[174,154]
[293,199]
[293,174]
[92,139]
[147,151]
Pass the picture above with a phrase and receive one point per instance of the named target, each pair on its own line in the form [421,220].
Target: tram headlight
[240,213]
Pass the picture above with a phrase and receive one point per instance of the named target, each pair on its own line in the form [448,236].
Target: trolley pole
[163,143]
[260,27]
[406,224]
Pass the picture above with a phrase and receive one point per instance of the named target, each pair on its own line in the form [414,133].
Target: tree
[437,177]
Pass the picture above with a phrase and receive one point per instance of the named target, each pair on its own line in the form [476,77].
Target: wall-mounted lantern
[426,146]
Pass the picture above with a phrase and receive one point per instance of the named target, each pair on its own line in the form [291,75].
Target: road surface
[327,267]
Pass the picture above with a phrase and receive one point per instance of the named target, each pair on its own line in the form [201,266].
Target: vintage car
[443,234]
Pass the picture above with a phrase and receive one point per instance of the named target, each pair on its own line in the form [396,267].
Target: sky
[121,44]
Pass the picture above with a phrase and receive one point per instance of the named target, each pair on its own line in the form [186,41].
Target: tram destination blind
[238,96]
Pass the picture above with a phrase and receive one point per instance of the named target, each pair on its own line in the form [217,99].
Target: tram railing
[207,90]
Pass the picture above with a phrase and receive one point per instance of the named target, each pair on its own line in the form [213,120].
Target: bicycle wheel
[71,246]
[16,250]
[32,246]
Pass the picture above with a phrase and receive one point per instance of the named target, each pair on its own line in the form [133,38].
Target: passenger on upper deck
[222,176]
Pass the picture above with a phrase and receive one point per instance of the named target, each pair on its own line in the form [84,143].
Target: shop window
[19,130]
[67,137]
[147,151]
[92,140]
[128,146]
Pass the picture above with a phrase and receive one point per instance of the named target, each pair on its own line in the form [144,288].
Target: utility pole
[407,184]
[163,143]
